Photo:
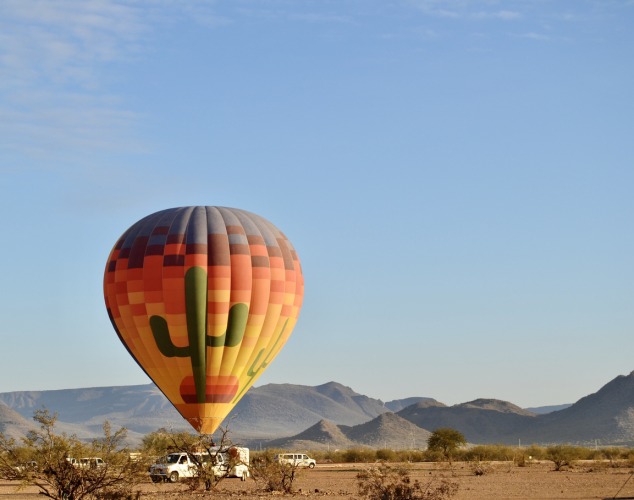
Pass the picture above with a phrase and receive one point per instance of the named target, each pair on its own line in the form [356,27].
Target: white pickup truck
[180,465]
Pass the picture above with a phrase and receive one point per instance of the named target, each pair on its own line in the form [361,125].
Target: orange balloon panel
[203,298]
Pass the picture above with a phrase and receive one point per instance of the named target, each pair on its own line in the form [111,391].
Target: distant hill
[275,410]
[399,404]
[12,424]
[388,430]
[139,408]
[481,421]
[334,415]
[606,416]
[385,431]
[264,413]
[496,405]
[323,435]
[542,410]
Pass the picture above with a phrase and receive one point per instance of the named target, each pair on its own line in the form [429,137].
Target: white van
[296,460]
[183,465]
[91,463]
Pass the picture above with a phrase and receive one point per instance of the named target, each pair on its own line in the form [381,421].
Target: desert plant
[386,455]
[480,468]
[57,475]
[163,441]
[446,441]
[534,452]
[273,475]
[394,483]
[562,455]
[359,455]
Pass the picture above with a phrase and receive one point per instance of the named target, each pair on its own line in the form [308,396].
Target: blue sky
[456,176]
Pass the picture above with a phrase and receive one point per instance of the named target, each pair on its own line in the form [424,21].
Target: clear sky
[457,177]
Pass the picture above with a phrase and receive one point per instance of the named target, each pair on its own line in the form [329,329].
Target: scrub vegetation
[55,463]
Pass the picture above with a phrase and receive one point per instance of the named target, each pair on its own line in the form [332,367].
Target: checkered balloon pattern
[203,298]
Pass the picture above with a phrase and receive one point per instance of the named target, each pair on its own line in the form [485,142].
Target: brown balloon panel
[203,298]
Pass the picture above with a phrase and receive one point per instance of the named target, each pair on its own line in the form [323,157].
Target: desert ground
[590,480]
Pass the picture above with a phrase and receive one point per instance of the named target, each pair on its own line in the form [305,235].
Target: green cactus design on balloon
[199,340]
[254,369]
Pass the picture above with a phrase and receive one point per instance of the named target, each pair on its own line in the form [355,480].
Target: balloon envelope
[203,298]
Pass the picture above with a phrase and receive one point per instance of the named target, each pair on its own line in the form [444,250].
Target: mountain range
[333,415]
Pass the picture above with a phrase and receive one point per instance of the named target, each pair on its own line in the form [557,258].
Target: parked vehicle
[296,460]
[28,466]
[231,462]
[91,463]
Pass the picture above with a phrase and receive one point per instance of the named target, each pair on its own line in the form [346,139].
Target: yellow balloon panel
[203,298]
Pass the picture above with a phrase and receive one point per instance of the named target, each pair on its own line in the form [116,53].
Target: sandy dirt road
[501,481]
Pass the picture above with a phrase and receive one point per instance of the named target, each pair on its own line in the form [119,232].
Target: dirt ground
[501,480]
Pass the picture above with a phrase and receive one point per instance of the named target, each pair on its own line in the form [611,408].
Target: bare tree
[49,461]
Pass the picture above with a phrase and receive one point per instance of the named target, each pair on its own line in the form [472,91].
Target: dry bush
[359,455]
[562,455]
[386,455]
[535,452]
[272,475]
[50,468]
[520,459]
[394,483]
[481,468]
[486,452]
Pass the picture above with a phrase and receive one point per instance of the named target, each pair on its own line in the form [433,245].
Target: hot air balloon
[203,298]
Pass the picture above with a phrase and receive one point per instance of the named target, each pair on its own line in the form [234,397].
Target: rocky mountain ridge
[333,415]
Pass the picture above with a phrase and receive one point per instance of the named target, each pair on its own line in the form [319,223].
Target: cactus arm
[161,333]
[236,325]
[253,371]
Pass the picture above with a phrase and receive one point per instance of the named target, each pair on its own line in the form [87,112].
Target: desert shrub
[386,455]
[433,456]
[520,459]
[359,455]
[410,456]
[327,457]
[535,452]
[481,468]
[274,476]
[50,470]
[394,483]
[486,452]
[162,442]
[562,455]
[611,454]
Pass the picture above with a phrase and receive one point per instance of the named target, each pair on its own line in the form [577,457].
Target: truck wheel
[156,479]
[173,477]
[311,466]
